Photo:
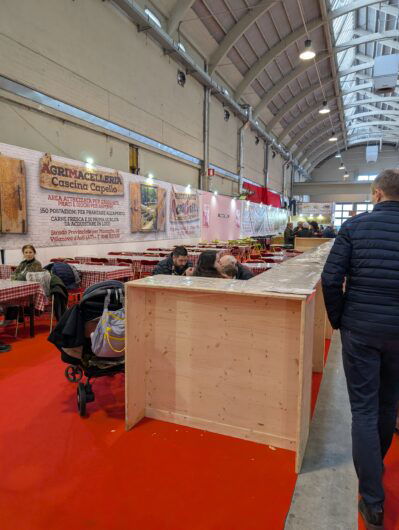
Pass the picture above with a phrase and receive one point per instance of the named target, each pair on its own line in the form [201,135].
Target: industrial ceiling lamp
[324,109]
[308,52]
[342,167]
[333,137]
[346,175]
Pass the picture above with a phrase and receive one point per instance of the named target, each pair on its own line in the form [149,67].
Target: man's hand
[189,271]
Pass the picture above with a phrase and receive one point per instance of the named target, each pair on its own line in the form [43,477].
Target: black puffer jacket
[366,253]
[166,266]
[243,272]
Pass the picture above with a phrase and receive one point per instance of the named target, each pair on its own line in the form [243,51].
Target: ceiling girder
[286,80]
[269,56]
[303,132]
[302,68]
[291,126]
[177,14]
[237,31]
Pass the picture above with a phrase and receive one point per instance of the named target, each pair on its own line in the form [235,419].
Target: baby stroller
[72,336]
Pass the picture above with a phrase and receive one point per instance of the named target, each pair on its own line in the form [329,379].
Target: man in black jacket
[175,264]
[366,254]
[243,273]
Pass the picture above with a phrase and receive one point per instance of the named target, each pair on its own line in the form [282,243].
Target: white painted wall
[355,162]
[88,54]
[254,158]
[275,172]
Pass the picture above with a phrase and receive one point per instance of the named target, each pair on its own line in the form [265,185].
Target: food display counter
[228,356]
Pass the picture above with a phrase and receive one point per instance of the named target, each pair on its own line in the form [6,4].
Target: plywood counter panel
[226,356]
[306,243]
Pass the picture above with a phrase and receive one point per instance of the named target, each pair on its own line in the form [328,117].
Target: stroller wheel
[89,392]
[81,397]
[73,373]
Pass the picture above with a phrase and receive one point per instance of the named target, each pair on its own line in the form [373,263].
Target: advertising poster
[205,215]
[238,217]
[307,209]
[147,207]
[184,219]
[260,220]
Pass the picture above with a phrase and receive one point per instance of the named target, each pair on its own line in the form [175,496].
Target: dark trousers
[371,367]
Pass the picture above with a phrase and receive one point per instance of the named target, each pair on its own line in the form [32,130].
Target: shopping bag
[108,339]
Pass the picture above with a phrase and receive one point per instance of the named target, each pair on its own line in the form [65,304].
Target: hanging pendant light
[342,167]
[333,137]
[308,52]
[324,109]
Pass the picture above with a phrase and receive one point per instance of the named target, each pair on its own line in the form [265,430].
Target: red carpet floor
[59,471]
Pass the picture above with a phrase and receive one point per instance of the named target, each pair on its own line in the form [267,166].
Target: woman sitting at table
[28,264]
[208,265]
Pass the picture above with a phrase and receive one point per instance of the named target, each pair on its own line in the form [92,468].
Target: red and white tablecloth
[92,274]
[257,268]
[6,271]
[19,293]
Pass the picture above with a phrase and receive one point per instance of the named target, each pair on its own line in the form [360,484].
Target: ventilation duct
[371,153]
[385,74]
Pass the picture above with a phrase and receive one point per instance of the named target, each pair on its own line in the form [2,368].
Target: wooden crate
[231,363]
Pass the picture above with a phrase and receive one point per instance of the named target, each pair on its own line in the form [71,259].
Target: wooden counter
[228,356]
[306,243]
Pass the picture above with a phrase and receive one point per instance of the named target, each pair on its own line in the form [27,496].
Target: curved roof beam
[177,14]
[302,148]
[266,59]
[377,123]
[303,132]
[269,56]
[307,92]
[368,37]
[237,31]
[328,152]
[285,80]
[302,116]
[375,111]
[299,70]
[353,6]
[357,68]
[321,149]
[294,101]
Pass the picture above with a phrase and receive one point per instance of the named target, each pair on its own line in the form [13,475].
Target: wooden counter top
[293,279]
[229,356]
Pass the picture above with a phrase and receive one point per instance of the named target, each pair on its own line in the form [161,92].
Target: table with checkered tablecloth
[92,274]
[22,294]
[257,268]
[6,271]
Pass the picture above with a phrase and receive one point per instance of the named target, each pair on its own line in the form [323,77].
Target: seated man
[229,271]
[243,273]
[289,236]
[175,264]
[305,231]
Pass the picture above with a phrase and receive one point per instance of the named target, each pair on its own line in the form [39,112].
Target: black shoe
[4,348]
[373,519]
